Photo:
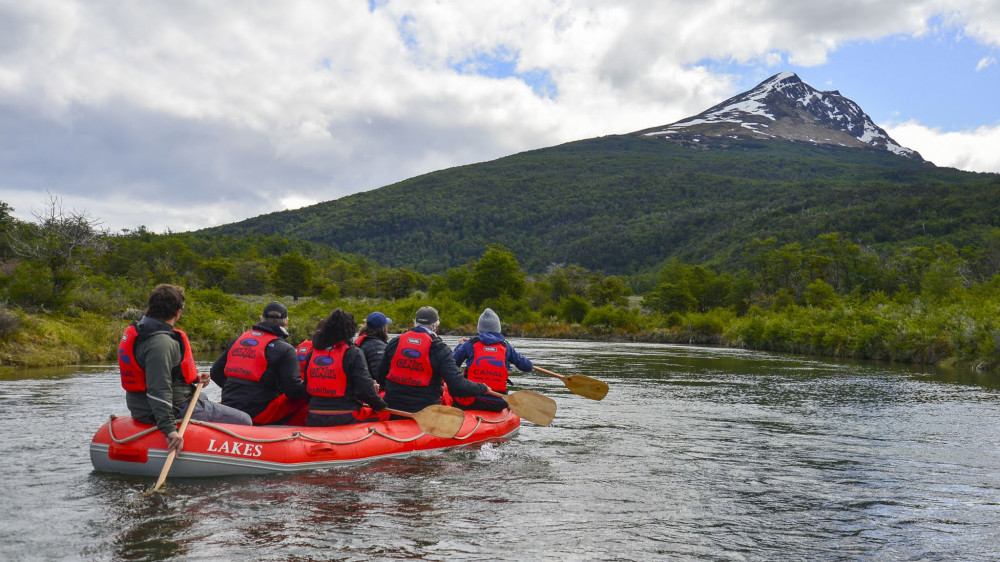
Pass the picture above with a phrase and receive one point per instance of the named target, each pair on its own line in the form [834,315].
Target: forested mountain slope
[626,203]
[782,160]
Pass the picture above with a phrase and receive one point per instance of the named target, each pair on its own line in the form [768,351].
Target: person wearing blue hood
[372,339]
[488,356]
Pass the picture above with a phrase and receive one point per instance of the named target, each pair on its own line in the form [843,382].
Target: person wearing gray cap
[487,358]
[419,364]
[372,339]
[259,372]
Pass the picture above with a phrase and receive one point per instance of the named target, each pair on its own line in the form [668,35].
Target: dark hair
[165,301]
[318,329]
[337,327]
[378,333]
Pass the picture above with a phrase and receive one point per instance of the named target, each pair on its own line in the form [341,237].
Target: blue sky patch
[406,32]
[502,63]
[901,78]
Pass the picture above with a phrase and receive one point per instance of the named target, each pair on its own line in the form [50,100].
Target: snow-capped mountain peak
[785,107]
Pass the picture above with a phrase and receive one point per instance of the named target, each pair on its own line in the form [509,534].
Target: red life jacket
[360,339]
[325,375]
[246,357]
[302,352]
[134,375]
[489,365]
[411,364]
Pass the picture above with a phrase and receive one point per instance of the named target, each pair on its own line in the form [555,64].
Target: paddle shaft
[585,386]
[401,413]
[436,420]
[557,375]
[534,407]
[180,432]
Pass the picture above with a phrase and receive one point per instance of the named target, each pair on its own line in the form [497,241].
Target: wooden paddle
[534,407]
[585,386]
[436,420]
[173,453]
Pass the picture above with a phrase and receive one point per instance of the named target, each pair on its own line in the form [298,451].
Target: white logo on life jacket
[235,448]
[415,341]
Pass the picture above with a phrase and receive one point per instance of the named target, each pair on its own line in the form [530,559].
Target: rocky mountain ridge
[785,107]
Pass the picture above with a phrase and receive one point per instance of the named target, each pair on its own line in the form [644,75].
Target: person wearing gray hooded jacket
[487,357]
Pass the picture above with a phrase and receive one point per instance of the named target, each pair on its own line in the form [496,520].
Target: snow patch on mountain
[785,107]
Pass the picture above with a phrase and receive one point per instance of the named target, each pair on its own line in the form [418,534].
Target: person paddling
[418,364]
[488,356]
[158,371]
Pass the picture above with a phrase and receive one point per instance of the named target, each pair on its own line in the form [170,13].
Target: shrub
[608,317]
[573,308]
[10,322]
[820,294]
[707,326]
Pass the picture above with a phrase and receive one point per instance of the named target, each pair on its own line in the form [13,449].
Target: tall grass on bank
[964,328]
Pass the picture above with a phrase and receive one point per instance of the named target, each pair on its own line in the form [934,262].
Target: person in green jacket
[158,370]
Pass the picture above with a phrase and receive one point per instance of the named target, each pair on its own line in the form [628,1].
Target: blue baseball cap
[377,320]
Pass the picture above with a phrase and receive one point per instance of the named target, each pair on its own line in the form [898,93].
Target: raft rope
[298,434]
[111,432]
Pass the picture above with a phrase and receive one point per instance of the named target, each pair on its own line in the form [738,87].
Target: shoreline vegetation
[68,290]
[962,335]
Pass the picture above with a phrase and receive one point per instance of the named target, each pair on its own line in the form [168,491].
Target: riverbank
[957,334]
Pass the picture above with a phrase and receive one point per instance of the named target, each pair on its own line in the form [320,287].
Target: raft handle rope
[298,434]
[480,421]
[111,432]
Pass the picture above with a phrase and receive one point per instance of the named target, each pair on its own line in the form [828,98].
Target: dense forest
[626,205]
[67,289]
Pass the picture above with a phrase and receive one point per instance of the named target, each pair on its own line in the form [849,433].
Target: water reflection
[136,526]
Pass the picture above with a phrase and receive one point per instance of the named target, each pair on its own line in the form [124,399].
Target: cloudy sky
[181,114]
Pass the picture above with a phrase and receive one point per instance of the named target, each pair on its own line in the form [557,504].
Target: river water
[695,454]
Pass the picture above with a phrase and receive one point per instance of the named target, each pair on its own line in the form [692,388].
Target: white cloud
[956,149]
[190,113]
[984,62]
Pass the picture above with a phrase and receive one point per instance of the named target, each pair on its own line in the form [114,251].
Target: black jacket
[373,349]
[415,398]
[280,377]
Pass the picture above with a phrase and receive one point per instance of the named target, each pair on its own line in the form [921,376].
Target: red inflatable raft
[211,449]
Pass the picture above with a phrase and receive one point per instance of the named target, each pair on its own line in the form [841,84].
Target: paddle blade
[440,421]
[585,386]
[534,407]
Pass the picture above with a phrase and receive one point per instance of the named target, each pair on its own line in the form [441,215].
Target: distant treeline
[67,289]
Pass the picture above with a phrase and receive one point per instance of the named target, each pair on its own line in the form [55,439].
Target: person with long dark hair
[337,377]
